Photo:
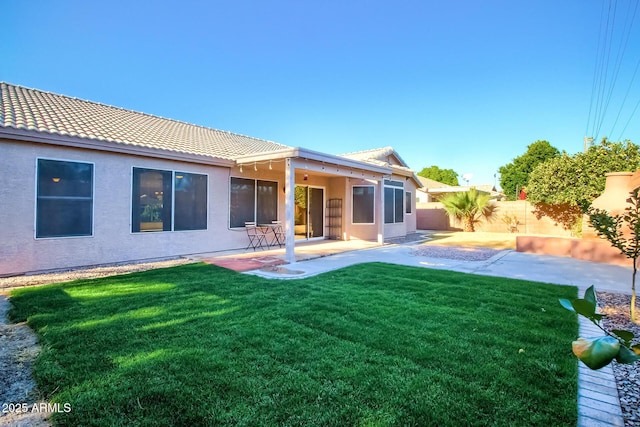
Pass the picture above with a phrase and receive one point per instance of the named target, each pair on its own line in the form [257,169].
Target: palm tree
[469,207]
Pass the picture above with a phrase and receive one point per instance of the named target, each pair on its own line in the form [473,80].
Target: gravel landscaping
[616,307]
[14,282]
[462,253]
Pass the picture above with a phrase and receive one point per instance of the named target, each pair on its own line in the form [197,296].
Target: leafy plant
[152,213]
[511,221]
[469,207]
[578,179]
[598,352]
[515,175]
[445,176]
[623,232]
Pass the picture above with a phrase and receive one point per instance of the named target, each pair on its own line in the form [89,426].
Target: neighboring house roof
[428,183]
[488,189]
[25,111]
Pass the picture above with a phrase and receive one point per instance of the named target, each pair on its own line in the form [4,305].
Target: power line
[595,71]
[624,41]
[604,68]
[630,117]
[607,69]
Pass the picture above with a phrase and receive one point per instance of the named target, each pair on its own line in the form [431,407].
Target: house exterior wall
[112,239]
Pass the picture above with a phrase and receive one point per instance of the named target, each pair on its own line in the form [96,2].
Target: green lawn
[369,345]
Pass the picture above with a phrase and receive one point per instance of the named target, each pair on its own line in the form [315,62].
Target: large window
[363,204]
[252,200]
[190,201]
[64,206]
[393,201]
[154,207]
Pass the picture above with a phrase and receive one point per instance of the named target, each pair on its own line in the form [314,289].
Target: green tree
[469,207]
[623,232]
[445,176]
[515,175]
[576,180]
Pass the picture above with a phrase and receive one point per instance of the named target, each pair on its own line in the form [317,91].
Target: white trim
[304,154]
[93,200]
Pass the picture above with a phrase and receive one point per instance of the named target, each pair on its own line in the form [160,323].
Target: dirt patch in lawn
[18,350]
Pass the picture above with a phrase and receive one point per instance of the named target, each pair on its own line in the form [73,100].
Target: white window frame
[373,207]
[396,185]
[255,199]
[173,200]
[93,199]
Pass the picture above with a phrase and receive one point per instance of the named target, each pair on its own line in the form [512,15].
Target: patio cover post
[289,203]
[380,201]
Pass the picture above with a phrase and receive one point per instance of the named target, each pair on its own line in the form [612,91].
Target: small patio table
[274,234]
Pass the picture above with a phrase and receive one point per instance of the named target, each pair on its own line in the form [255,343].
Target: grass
[369,345]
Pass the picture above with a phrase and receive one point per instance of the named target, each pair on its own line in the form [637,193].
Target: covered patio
[343,198]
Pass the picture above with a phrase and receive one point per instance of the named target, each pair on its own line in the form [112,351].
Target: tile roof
[431,183]
[377,156]
[44,112]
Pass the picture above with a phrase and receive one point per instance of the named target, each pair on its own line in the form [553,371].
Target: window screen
[363,204]
[64,205]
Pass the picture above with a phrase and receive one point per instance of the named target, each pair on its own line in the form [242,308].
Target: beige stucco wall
[112,240]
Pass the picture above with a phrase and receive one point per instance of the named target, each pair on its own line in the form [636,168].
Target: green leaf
[590,296]
[567,304]
[627,356]
[584,307]
[596,352]
[626,336]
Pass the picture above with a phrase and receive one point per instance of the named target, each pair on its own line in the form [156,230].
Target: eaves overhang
[25,135]
[305,154]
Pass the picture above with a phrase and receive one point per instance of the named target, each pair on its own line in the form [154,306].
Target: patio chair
[279,234]
[257,238]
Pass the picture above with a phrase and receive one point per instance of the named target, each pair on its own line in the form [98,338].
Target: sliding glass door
[309,212]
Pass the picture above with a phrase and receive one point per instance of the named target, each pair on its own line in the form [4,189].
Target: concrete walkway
[598,402]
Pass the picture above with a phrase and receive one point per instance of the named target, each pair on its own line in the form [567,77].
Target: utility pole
[588,140]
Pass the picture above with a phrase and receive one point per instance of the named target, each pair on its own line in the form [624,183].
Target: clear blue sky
[465,85]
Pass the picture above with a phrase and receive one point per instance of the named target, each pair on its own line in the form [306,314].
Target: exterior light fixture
[305,177]
[255,166]
[270,165]
[241,168]
[56,179]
